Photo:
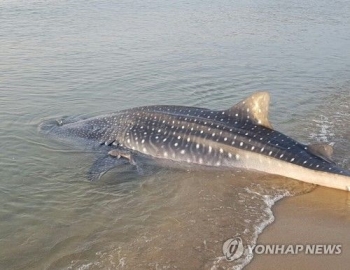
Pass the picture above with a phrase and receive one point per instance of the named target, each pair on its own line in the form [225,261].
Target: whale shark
[239,137]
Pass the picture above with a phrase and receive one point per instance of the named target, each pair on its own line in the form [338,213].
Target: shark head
[88,130]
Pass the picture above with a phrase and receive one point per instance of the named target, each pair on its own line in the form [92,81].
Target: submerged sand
[319,217]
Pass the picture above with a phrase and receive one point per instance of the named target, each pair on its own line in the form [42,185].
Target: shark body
[240,137]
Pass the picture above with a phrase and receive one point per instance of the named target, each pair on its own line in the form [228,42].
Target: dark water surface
[86,58]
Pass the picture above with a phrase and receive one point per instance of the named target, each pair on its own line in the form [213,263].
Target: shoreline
[319,217]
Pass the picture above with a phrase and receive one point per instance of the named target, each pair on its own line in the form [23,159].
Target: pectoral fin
[127,155]
[118,153]
[103,165]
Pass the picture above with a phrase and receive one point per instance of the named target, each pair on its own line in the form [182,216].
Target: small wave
[325,132]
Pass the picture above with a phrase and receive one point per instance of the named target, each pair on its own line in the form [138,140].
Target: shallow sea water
[78,58]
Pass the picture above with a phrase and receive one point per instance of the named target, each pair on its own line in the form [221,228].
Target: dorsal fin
[324,151]
[255,108]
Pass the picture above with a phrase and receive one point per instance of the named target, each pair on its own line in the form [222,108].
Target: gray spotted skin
[227,138]
[206,137]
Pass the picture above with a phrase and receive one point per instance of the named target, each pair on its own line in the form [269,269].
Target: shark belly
[214,154]
[266,164]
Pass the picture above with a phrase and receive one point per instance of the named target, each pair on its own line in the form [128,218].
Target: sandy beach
[319,217]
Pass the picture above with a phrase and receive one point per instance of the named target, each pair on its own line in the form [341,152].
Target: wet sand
[319,217]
